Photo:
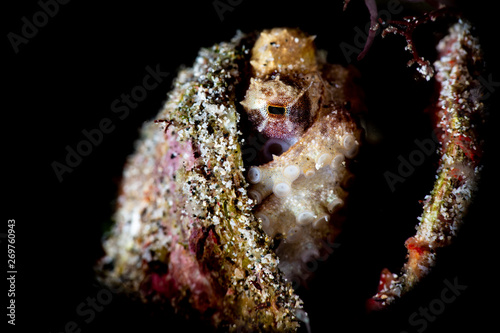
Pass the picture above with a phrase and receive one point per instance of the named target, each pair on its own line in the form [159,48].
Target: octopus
[303,105]
[225,236]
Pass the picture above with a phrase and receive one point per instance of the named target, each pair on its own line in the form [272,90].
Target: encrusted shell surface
[184,226]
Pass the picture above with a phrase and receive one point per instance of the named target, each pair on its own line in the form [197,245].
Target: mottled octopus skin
[299,193]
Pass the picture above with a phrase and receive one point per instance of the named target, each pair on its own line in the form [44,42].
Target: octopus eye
[276,110]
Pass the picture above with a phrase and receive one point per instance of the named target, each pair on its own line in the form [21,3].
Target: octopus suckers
[337,161]
[305,218]
[254,175]
[291,172]
[350,145]
[274,147]
[309,173]
[293,234]
[323,220]
[349,141]
[264,219]
[335,205]
[323,160]
[255,196]
[281,189]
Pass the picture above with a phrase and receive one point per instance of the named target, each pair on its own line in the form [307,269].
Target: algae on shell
[184,228]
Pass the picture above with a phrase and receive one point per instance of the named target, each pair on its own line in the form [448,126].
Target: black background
[64,81]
